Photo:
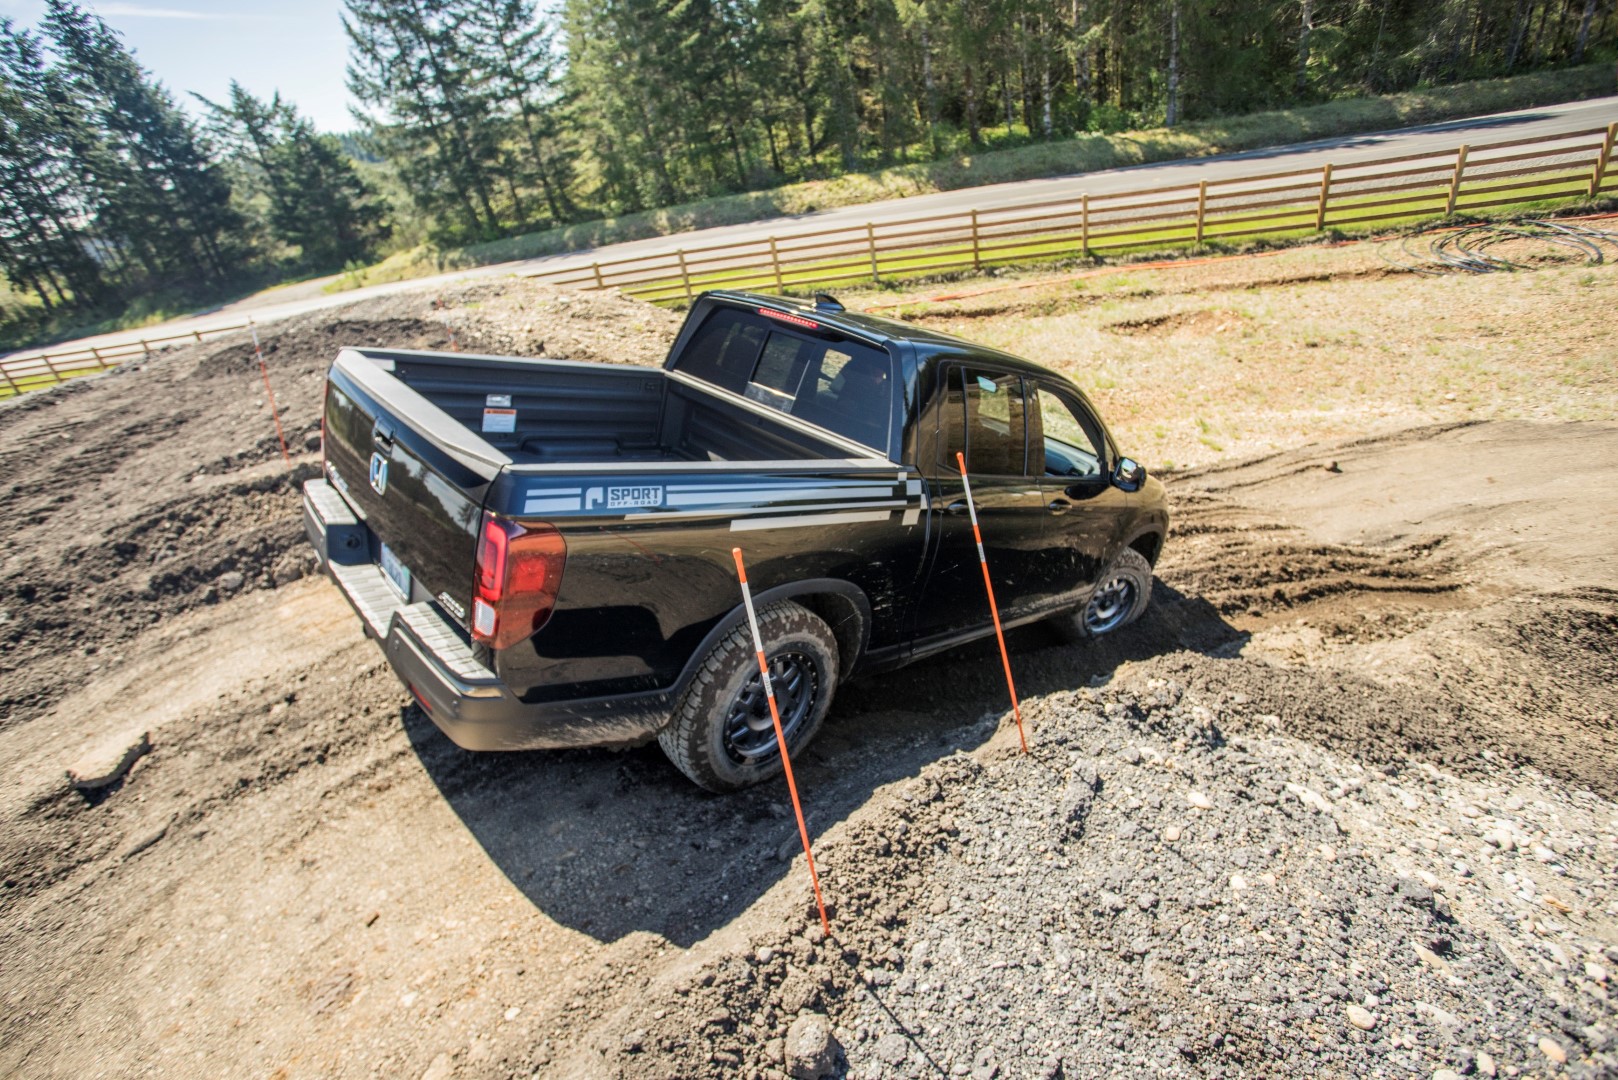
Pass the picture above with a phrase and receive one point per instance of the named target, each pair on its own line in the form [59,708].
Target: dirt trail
[304,878]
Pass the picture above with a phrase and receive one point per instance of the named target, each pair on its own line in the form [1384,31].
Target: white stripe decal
[720,511]
[910,516]
[803,520]
[549,506]
[777,495]
[852,487]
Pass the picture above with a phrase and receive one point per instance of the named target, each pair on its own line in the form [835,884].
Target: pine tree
[519,51]
[316,201]
[409,63]
[44,246]
[161,192]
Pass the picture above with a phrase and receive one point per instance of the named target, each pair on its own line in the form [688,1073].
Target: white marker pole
[994,610]
[780,737]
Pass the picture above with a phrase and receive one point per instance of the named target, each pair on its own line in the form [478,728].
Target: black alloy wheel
[749,728]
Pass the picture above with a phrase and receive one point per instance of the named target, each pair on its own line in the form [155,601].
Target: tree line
[486,118]
[503,122]
[110,192]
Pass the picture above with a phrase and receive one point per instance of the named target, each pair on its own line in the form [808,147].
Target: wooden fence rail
[29,371]
[1297,201]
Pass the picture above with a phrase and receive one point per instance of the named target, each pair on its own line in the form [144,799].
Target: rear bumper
[467,701]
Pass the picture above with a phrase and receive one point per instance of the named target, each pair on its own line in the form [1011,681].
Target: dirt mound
[1192,323]
[158,487]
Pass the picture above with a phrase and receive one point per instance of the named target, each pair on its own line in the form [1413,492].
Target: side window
[984,418]
[1069,448]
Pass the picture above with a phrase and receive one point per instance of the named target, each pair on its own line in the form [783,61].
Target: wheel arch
[842,605]
[1149,543]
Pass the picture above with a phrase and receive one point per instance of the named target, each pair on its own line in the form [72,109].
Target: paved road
[1546,120]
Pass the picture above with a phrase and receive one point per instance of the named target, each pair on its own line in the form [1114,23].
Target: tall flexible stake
[780,737]
[994,609]
[264,370]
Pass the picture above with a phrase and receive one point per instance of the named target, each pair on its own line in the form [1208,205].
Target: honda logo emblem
[379,474]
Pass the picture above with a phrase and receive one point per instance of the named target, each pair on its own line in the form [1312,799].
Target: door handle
[1058,506]
[956,507]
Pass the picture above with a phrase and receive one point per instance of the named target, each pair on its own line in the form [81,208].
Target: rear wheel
[722,735]
[1119,599]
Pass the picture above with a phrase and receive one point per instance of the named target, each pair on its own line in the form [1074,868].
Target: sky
[198,46]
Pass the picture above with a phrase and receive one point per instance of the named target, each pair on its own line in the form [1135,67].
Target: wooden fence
[29,371]
[1293,201]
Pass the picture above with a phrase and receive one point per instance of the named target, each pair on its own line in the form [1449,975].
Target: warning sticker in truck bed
[500,420]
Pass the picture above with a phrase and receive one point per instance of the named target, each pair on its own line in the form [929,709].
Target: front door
[981,413]
[1082,504]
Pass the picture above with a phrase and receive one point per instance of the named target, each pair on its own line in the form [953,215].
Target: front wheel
[1119,599]
[722,736]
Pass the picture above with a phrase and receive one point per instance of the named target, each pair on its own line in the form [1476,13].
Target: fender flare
[737,616]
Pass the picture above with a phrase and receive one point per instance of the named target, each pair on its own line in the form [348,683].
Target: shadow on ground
[614,842]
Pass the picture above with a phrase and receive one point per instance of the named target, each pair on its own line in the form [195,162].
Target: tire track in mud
[1244,561]
[175,557]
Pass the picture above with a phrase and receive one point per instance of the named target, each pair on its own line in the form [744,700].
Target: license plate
[398,573]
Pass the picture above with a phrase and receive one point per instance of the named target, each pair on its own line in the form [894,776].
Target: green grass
[1422,207]
[1088,153]
[26,383]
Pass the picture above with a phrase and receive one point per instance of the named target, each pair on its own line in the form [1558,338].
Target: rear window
[843,386]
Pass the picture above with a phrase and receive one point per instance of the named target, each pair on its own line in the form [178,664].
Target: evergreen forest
[483,119]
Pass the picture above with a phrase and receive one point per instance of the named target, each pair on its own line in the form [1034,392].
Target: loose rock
[811,1051]
[104,764]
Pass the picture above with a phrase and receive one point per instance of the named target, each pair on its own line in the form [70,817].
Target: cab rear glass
[844,386]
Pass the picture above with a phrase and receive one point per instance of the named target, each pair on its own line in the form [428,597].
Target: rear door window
[984,418]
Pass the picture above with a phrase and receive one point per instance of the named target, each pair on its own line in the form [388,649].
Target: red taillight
[519,572]
[795,320]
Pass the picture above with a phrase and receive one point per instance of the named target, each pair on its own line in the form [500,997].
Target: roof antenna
[826,302]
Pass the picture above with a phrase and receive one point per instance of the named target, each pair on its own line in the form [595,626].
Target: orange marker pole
[994,609]
[264,370]
[780,736]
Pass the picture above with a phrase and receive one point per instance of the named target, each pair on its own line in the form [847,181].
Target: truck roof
[880,329]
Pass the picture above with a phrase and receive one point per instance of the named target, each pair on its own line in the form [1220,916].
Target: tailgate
[414,477]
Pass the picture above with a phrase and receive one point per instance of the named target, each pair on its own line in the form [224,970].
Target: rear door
[982,413]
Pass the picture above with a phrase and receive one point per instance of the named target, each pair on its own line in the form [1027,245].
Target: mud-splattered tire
[722,736]
[1120,598]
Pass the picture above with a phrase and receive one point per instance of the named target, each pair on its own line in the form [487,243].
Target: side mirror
[1129,475]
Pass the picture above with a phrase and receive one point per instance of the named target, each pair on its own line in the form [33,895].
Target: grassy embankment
[1088,153]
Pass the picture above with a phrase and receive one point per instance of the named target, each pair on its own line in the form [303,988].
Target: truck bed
[566,412]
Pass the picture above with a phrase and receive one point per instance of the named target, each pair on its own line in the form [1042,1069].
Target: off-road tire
[696,740]
[1120,598]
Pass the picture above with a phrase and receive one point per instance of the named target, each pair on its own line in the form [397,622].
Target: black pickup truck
[544,547]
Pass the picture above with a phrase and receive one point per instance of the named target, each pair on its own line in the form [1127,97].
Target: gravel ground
[1145,894]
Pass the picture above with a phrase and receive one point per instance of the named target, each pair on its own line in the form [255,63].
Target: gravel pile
[1143,895]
